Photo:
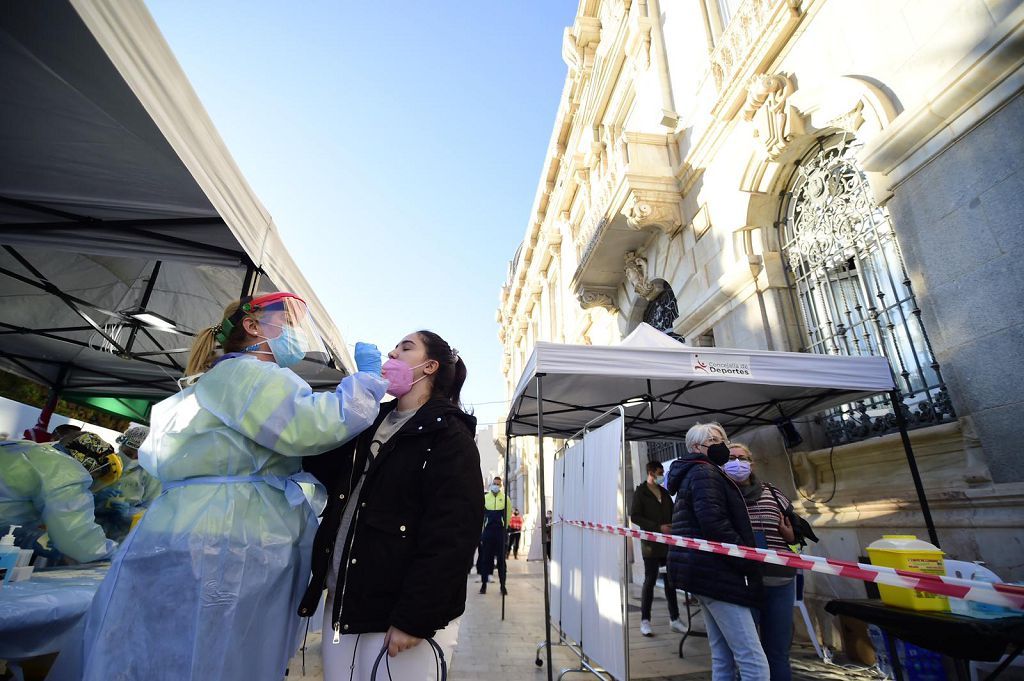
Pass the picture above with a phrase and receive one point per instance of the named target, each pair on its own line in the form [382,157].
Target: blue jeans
[734,641]
[775,620]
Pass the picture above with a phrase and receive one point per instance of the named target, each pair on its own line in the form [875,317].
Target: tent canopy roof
[117,194]
[678,385]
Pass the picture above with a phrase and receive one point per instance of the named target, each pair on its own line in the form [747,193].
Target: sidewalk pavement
[490,649]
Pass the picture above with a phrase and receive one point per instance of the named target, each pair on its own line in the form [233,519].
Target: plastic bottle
[9,554]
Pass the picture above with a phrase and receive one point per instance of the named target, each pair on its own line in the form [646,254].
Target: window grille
[852,291]
[665,450]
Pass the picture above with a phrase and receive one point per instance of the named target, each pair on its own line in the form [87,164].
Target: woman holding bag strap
[772,530]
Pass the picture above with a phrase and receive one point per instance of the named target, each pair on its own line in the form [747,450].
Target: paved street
[490,649]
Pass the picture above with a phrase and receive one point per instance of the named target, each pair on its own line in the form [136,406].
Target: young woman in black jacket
[402,522]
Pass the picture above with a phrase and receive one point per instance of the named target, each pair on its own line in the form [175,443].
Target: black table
[956,636]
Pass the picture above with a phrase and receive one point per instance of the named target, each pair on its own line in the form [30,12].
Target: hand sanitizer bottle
[9,554]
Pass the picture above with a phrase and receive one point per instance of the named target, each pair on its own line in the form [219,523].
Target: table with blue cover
[37,615]
[957,636]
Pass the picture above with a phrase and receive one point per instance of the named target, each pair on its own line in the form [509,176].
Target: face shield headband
[286,330]
[249,306]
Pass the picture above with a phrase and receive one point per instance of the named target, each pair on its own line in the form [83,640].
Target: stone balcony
[633,197]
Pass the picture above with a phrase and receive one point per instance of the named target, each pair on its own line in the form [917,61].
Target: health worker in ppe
[47,490]
[119,504]
[208,583]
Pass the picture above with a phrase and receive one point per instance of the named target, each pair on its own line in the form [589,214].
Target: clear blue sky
[398,146]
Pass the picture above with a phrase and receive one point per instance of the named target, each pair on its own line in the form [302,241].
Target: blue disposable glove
[120,507]
[368,358]
[106,495]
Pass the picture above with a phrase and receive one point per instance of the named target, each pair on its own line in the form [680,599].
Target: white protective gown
[207,585]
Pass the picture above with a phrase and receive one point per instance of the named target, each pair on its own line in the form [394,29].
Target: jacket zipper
[355,524]
[340,598]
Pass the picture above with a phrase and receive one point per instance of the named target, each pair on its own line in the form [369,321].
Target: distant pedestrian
[710,506]
[545,532]
[651,510]
[515,530]
[772,530]
[492,538]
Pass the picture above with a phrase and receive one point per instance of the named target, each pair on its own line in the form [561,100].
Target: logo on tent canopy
[731,366]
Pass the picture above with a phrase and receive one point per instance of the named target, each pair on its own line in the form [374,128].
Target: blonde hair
[740,445]
[204,347]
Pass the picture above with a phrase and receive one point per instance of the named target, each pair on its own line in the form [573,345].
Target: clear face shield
[286,325]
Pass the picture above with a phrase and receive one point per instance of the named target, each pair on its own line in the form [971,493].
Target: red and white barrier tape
[1006,595]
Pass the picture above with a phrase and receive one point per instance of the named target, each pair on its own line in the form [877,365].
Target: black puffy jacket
[412,538]
[710,506]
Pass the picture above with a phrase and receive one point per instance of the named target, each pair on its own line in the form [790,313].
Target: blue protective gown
[207,585]
[41,486]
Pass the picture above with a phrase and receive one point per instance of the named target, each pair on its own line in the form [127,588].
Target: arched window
[851,289]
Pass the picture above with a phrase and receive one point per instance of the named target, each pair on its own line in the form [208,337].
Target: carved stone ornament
[775,122]
[636,273]
[594,298]
[647,211]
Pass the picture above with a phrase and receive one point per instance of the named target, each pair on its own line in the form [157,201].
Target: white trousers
[353,657]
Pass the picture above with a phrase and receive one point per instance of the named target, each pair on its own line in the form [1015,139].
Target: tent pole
[252,279]
[543,520]
[897,403]
[41,431]
[506,539]
[143,305]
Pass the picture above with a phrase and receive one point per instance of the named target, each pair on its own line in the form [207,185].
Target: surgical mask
[737,470]
[287,349]
[659,479]
[718,453]
[398,374]
[495,489]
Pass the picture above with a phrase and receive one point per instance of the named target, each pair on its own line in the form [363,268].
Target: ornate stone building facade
[814,176]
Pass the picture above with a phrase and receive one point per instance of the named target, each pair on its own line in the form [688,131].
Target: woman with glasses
[709,505]
[772,530]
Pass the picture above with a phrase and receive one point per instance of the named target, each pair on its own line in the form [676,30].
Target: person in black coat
[651,510]
[402,521]
[710,506]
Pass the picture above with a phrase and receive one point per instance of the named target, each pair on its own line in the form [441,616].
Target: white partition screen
[604,625]
[572,544]
[587,570]
[555,564]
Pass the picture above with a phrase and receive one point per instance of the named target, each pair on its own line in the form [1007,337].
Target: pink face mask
[398,374]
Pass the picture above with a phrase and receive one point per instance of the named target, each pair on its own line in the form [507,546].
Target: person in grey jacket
[651,510]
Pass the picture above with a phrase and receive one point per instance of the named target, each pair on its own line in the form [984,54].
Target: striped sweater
[766,516]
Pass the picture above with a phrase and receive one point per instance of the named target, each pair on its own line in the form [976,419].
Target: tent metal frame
[634,431]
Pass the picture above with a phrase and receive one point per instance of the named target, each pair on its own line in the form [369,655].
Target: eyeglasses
[739,457]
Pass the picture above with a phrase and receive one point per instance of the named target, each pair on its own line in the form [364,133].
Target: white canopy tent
[681,384]
[118,202]
[669,386]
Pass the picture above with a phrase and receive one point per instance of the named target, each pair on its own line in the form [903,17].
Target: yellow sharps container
[907,552]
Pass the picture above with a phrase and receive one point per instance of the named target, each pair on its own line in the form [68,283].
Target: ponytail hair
[451,373]
[204,347]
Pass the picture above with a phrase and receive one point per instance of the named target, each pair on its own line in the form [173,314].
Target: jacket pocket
[385,544]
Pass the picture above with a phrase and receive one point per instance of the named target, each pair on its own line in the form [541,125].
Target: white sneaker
[677,626]
[645,628]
